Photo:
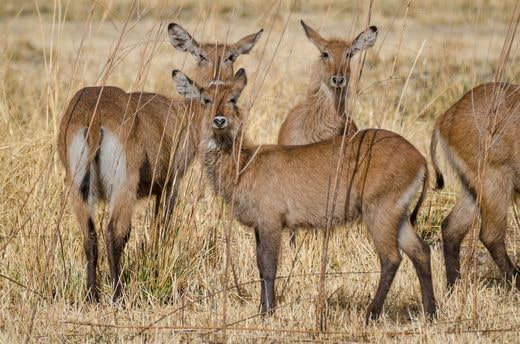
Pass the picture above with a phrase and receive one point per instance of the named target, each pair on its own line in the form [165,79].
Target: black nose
[219,122]
[338,80]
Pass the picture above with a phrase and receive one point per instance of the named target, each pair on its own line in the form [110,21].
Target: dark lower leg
[454,229]
[419,253]
[493,233]
[267,261]
[91,253]
[497,249]
[452,262]
[115,245]
[424,274]
[388,271]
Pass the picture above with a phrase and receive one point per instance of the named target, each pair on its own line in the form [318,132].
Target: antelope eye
[233,100]
[325,55]
[206,101]
[202,58]
[231,58]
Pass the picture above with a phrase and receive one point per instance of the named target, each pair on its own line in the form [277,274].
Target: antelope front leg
[267,250]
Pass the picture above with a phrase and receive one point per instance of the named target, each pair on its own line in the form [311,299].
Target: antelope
[289,186]
[480,135]
[214,60]
[323,114]
[121,147]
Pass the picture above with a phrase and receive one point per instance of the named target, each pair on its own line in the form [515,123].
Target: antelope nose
[337,80]
[220,122]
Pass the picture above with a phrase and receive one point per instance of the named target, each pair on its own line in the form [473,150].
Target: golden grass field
[427,55]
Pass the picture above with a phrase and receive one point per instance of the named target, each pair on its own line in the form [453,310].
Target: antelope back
[486,116]
[151,131]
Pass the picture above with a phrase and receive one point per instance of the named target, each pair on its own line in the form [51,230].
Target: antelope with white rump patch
[288,186]
[122,146]
[480,135]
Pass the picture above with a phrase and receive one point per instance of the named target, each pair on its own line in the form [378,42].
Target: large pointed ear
[247,43]
[314,36]
[182,40]
[364,40]
[185,86]
[239,82]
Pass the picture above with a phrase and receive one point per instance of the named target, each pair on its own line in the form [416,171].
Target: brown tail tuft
[415,212]
[439,179]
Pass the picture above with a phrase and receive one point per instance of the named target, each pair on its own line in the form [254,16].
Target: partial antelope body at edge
[122,146]
[480,135]
[289,186]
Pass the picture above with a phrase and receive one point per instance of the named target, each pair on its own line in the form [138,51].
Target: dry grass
[175,287]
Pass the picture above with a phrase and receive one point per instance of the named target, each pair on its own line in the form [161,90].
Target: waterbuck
[480,135]
[214,60]
[290,186]
[122,146]
[323,113]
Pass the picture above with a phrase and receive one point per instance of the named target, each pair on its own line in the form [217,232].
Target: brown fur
[486,116]
[214,60]
[159,139]
[291,186]
[323,114]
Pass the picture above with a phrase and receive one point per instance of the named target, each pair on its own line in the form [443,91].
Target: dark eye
[231,58]
[325,55]
[206,101]
[202,58]
[233,100]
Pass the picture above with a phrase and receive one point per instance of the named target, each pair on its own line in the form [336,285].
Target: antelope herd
[324,172]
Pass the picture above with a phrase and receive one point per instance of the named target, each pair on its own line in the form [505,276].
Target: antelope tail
[439,179]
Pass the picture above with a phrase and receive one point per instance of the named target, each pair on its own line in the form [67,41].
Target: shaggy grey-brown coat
[293,186]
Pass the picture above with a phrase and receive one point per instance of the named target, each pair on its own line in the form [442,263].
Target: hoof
[92,296]
[371,316]
[266,311]
[431,312]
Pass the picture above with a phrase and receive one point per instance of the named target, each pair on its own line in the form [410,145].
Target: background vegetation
[427,55]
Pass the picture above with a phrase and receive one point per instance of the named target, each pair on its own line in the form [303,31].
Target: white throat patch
[326,90]
[211,145]
[216,83]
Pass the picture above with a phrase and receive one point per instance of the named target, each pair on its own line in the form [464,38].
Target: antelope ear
[239,82]
[247,43]
[182,40]
[364,40]
[314,36]
[185,86]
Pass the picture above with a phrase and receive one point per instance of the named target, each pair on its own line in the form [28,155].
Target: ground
[427,55]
